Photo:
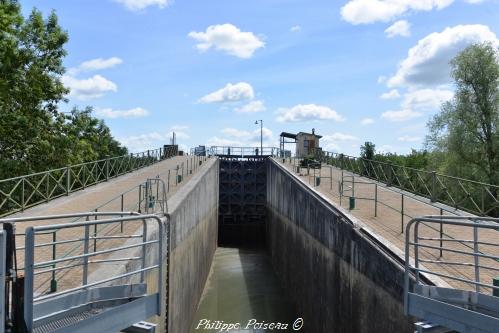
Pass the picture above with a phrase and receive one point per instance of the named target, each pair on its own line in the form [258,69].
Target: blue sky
[356,71]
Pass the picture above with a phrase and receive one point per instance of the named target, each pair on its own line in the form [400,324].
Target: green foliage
[464,135]
[34,136]
[368,150]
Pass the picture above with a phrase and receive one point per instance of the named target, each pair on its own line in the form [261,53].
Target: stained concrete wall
[339,280]
[194,217]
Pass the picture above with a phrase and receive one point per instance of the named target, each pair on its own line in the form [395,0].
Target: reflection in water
[242,294]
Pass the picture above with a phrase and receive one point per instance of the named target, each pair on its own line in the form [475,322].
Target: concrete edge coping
[359,225]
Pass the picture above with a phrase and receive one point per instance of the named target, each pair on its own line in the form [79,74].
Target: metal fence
[471,301]
[38,262]
[468,195]
[20,193]
[241,152]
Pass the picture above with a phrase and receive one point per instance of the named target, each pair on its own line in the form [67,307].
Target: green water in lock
[243,290]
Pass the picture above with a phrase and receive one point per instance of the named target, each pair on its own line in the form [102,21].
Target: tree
[31,55]
[34,136]
[368,150]
[464,135]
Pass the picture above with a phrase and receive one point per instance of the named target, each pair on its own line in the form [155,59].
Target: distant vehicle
[200,151]
[310,163]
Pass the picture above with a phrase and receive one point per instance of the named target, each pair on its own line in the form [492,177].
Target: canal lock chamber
[257,243]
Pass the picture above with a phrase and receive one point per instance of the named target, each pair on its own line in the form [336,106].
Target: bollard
[297,169]
[179,178]
[495,283]
[351,203]
[317,181]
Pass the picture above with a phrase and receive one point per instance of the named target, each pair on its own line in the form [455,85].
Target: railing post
[95,234]
[107,168]
[53,282]
[331,176]
[402,213]
[47,187]
[122,209]
[168,188]
[29,259]
[441,235]
[140,197]
[475,257]
[85,252]
[23,202]
[375,200]
[433,186]
[390,174]
[68,180]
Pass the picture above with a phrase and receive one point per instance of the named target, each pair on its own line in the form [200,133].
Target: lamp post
[261,135]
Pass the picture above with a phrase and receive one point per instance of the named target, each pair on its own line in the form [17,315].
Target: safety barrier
[472,303]
[80,298]
[468,195]
[20,193]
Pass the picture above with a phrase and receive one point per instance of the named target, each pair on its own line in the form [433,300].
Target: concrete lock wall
[194,217]
[339,280]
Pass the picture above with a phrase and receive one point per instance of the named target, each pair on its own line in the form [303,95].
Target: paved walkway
[121,192]
[389,222]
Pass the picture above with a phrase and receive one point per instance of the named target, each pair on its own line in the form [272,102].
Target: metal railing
[475,255]
[472,196]
[242,152]
[20,193]
[478,251]
[36,262]
[148,197]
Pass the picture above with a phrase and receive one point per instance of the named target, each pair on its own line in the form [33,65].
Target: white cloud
[334,141]
[427,63]
[397,116]
[392,94]
[339,137]
[99,64]
[399,28]
[408,138]
[93,87]
[179,127]
[235,133]
[227,38]
[246,136]
[113,114]
[382,79]
[295,28]
[154,140]
[137,5]
[143,142]
[475,1]
[370,11]
[386,149]
[307,112]
[367,121]
[252,107]
[230,93]
[426,99]
[216,141]
[178,135]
